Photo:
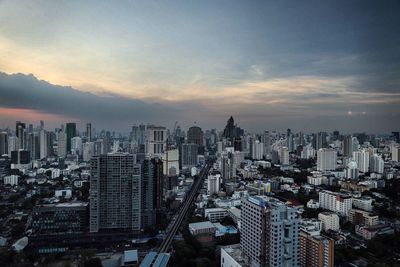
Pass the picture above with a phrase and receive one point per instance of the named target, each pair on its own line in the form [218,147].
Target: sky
[304,65]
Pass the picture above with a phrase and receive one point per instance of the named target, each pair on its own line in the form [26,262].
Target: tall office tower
[301,139]
[316,250]
[361,157]
[289,140]
[326,159]
[156,140]
[134,135]
[115,193]
[3,143]
[151,191]
[51,140]
[13,144]
[70,130]
[41,125]
[376,164]
[20,133]
[267,144]
[43,144]
[284,156]
[33,145]
[189,155]
[228,166]
[320,140]
[195,135]
[62,145]
[88,151]
[213,184]
[76,145]
[334,201]
[269,232]
[258,150]
[89,131]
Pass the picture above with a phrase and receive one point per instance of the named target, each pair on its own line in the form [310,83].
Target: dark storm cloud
[27,92]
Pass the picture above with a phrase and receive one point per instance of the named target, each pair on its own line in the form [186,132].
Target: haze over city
[314,65]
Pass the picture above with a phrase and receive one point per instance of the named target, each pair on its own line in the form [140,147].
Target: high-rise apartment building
[284,156]
[269,232]
[156,140]
[316,250]
[115,188]
[258,150]
[326,159]
[376,164]
[361,157]
[334,201]
[213,184]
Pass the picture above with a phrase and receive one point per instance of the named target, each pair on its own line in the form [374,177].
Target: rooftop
[201,225]
[236,253]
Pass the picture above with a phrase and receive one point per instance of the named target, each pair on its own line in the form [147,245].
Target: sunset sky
[305,65]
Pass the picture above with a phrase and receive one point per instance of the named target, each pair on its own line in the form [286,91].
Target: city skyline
[314,66]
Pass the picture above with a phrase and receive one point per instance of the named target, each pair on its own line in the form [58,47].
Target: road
[183,209]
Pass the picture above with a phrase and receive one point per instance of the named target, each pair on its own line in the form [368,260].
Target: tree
[93,262]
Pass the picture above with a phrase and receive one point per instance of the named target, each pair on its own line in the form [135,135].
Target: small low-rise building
[360,217]
[329,221]
[215,214]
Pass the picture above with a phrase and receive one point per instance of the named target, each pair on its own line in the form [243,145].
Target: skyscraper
[43,144]
[350,144]
[361,157]
[269,232]
[376,164]
[156,140]
[115,193]
[326,159]
[3,143]
[89,131]
[20,133]
[189,155]
[267,144]
[70,130]
[195,136]
[62,145]
[151,191]
[284,156]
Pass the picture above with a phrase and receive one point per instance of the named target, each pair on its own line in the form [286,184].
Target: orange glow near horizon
[30,115]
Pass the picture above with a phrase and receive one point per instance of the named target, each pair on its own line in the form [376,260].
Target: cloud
[26,92]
